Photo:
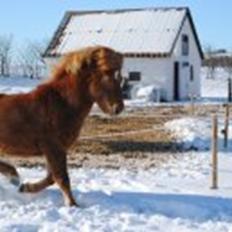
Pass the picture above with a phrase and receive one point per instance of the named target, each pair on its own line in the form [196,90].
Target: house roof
[142,32]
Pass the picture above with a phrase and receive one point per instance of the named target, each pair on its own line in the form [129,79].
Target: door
[176,82]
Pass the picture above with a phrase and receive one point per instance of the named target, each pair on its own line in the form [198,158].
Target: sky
[35,20]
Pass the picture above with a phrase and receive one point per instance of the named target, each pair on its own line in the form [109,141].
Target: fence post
[192,108]
[226,125]
[229,90]
[214,152]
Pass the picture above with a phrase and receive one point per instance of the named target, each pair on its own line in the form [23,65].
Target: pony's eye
[117,76]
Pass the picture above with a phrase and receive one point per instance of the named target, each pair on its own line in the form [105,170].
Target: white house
[160,45]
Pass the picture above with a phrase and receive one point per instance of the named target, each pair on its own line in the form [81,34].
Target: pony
[47,120]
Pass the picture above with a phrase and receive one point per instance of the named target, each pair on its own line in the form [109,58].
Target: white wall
[188,87]
[155,71]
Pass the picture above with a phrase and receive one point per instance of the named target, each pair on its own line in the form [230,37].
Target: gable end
[188,16]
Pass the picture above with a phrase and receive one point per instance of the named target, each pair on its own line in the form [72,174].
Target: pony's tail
[10,173]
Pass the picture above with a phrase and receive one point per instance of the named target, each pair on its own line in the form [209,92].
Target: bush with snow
[149,93]
[192,133]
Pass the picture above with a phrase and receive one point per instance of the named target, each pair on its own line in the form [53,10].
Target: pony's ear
[81,62]
[89,63]
[95,59]
[105,59]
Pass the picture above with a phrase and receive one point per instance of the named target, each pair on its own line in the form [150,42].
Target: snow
[214,89]
[17,84]
[193,133]
[149,93]
[174,197]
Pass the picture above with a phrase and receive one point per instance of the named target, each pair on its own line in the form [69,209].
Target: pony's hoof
[22,188]
[72,204]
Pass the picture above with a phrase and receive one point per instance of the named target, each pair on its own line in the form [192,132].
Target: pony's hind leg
[10,172]
[37,186]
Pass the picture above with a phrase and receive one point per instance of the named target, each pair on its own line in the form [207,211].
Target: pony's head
[99,69]
[105,84]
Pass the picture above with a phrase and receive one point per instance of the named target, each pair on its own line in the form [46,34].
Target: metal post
[229,90]
[226,125]
[214,153]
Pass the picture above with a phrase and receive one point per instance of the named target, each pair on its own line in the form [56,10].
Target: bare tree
[30,59]
[227,64]
[5,54]
[210,62]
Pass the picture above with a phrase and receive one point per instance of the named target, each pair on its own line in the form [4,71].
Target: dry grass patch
[107,142]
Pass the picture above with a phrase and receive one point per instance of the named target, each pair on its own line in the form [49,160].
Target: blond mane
[100,58]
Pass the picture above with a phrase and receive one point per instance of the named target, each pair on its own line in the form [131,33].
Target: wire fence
[222,116]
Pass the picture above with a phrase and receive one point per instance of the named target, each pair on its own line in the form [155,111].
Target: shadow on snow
[185,206]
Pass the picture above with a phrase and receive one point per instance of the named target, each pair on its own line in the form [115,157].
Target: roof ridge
[164,8]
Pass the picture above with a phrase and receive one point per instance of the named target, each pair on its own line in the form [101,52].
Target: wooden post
[226,125]
[192,104]
[214,153]
[229,90]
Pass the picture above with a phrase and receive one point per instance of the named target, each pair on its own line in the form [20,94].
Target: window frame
[134,76]
[185,45]
[191,73]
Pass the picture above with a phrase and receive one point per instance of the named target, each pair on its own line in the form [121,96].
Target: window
[185,45]
[134,76]
[185,64]
[191,73]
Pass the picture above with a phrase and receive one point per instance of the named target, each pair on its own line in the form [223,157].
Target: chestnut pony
[47,120]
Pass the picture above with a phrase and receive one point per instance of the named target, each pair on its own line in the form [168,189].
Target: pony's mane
[102,58]
[70,63]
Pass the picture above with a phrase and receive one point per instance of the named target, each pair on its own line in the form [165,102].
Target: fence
[223,114]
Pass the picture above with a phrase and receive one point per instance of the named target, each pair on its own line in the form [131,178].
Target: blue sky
[37,19]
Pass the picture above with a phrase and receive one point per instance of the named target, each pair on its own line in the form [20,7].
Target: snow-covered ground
[174,197]
[214,89]
[16,84]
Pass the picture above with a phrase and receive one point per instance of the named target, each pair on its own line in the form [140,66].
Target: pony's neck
[75,91]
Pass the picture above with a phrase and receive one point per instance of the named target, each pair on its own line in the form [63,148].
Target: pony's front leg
[38,186]
[57,164]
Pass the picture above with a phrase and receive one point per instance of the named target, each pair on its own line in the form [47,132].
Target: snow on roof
[144,31]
